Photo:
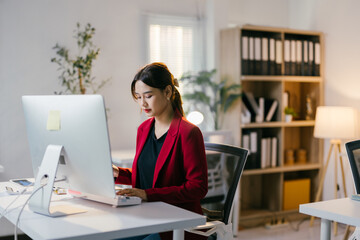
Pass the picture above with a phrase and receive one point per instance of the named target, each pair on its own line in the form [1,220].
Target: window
[176,41]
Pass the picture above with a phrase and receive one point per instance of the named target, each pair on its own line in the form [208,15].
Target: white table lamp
[334,123]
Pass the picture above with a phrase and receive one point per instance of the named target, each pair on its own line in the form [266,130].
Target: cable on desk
[20,194]
[18,218]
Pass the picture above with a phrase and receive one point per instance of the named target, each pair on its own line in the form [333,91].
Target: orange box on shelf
[296,192]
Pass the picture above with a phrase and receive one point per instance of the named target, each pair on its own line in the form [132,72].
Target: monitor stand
[40,200]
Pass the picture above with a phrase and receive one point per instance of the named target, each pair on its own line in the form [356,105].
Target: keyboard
[116,201]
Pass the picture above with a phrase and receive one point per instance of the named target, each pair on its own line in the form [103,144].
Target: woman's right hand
[115,171]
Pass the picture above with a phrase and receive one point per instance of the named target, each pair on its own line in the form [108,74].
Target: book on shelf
[274,152]
[278,56]
[245,55]
[251,104]
[287,54]
[317,59]
[292,57]
[264,56]
[259,118]
[271,109]
[305,63]
[251,140]
[272,56]
[257,56]
[261,109]
[311,59]
[250,71]
[299,57]
[268,152]
[245,115]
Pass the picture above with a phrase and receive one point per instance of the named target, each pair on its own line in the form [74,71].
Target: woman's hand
[115,171]
[131,192]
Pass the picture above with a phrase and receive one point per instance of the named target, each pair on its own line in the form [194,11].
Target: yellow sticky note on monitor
[53,121]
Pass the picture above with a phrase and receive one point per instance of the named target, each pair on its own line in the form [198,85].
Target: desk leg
[178,234]
[325,230]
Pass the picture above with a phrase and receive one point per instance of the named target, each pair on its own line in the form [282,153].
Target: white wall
[29,30]
[339,22]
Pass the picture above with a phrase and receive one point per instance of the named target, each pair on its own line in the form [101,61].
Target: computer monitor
[76,126]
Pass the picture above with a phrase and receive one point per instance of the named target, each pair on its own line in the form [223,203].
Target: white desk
[342,210]
[102,221]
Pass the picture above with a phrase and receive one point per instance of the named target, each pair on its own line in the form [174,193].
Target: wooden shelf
[290,168]
[267,200]
[296,123]
[264,78]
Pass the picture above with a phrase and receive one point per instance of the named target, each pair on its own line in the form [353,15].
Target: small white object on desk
[123,158]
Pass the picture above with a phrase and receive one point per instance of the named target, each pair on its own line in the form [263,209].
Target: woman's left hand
[131,192]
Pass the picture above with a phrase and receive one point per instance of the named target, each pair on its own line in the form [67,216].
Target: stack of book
[261,53]
[263,149]
[302,55]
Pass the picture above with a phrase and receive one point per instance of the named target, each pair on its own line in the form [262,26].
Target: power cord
[18,218]
[5,210]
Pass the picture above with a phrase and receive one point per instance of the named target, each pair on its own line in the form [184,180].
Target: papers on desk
[355,197]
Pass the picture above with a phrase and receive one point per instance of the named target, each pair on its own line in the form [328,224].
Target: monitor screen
[78,123]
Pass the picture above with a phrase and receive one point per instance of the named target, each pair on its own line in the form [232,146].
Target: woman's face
[153,101]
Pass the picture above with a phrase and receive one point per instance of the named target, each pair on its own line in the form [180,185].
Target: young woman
[170,163]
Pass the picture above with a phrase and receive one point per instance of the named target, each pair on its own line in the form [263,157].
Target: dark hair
[157,75]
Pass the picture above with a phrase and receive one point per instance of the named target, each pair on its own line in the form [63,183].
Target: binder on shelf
[305,63]
[250,102]
[251,56]
[245,115]
[253,161]
[272,59]
[299,57]
[257,55]
[271,110]
[292,57]
[317,59]
[311,59]
[245,55]
[287,54]
[278,56]
[246,141]
[261,110]
[274,151]
[264,152]
[264,56]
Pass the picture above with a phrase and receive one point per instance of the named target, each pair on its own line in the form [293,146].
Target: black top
[147,159]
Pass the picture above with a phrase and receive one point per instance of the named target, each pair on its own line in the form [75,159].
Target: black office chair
[219,225]
[353,152]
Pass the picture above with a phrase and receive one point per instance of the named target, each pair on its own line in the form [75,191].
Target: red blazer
[180,176]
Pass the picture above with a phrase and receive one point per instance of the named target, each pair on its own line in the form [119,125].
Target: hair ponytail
[177,101]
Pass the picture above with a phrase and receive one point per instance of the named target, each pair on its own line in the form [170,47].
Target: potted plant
[289,114]
[76,70]
[205,94]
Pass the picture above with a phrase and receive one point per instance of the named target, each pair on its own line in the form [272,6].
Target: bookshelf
[289,70]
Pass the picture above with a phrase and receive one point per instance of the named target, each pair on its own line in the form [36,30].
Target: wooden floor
[294,230]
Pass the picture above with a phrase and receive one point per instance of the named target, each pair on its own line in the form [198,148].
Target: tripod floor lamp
[334,123]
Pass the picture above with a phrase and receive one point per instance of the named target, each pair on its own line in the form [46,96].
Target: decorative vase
[288,117]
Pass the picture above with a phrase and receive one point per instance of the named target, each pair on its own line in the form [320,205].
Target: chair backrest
[353,152]
[241,156]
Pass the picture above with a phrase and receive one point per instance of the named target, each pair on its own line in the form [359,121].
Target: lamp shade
[335,122]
